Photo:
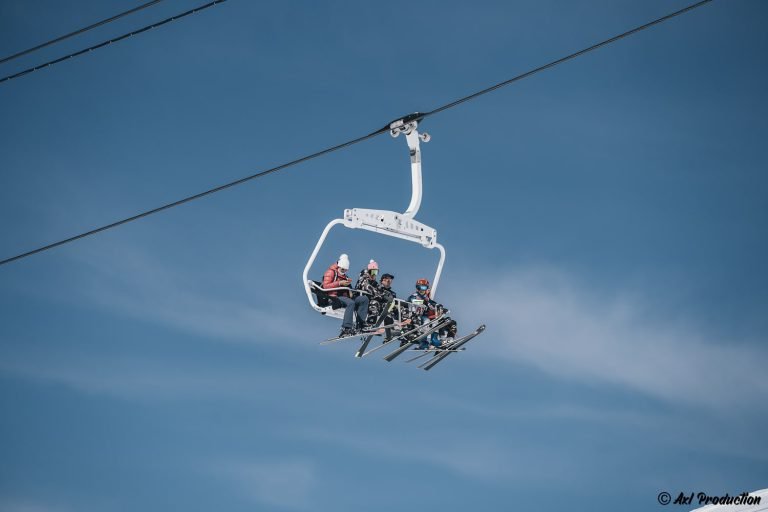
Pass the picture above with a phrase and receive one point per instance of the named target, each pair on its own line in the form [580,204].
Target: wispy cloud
[131,283]
[543,411]
[455,451]
[27,505]
[283,483]
[126,281]
[137,378]
[542,318]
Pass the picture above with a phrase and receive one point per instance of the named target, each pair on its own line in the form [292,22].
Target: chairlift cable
[193,197]
[79,31]
[351,142]
[110,41]
[566,58]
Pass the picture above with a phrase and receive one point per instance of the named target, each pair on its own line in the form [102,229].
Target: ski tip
[481,328]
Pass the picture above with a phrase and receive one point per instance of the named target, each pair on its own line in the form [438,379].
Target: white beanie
[343,261]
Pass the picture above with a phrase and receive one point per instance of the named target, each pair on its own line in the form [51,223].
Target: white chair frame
[388,223]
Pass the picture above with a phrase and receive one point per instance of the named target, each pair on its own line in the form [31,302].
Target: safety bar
[341,288]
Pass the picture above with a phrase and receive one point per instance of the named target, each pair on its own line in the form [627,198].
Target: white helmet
[343,261]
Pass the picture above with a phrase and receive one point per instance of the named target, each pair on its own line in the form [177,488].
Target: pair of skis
[437,353]
[412,337]
[384,312]
[368,333]
[361,334]
[420,331]
[440,353]
[377,330]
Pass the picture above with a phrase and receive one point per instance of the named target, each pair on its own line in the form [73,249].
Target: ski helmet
[422,285]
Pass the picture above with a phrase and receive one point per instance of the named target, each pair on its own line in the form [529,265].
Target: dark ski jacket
[386,293]
[368,284]
[423,305]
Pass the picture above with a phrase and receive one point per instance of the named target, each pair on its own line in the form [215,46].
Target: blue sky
[605,219]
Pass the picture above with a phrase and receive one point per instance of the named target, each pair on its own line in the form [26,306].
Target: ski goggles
[422,287]
[373,271]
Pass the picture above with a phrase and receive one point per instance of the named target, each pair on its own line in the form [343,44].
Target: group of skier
[366,302]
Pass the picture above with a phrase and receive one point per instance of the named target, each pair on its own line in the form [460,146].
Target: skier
[336,277]
[386,293]
[385,287]
[367,284]
[424,309]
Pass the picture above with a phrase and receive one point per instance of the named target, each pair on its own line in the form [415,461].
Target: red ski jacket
[332,278]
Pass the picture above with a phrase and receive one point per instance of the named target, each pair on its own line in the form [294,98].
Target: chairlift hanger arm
[409,126]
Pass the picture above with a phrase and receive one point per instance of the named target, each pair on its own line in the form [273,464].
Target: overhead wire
[192,197]
[357,140]
[567,58]
[110,41]
[79,31]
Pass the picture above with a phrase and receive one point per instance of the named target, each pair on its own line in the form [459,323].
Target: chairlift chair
[384,222]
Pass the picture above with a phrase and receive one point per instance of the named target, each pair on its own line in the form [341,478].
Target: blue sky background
[606,219]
